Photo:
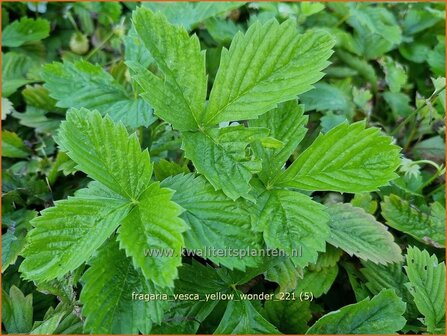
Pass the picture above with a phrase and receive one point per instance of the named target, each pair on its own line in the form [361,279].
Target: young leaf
[293,222]
[106,152]
[215,220]
[428,228]
[358,233]
[427,285]
[349,158]
[107,295]
[286,124]
[380,315]
[82,84]
[251,81]
[153,224]
[242,318]
[220,155]
[178,93]
[25,30]
[66,235]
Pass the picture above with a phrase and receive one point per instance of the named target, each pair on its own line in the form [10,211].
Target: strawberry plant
[228,173]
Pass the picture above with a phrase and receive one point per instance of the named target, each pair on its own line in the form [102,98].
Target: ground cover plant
[227,168]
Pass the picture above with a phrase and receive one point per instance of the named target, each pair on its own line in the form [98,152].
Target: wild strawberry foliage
[297,128]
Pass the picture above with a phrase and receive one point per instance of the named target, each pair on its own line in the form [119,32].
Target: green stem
[99,46]
[430,100]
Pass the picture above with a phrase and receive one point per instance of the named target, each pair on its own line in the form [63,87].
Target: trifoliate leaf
[152,235]
[242,318]
[251,81]
[294,223]
[220,155]
[427,285]
[66,235]
[348,158]
[286,124]
[13,146]
[107,295]
[289,316]
[216,221]
[25,30]
[428,228]
[358,233]
[190,14]
[82,84]
[380,315]
[105,151]
[177,93]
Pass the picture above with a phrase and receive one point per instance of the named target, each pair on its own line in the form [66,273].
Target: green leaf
[82,84]
[365,201]
[358,233]
[178,91]
[326,97]
[395,74]
[105,151]
[348,158]
[251,81]
[215,220]
[242,318]
[319,277]
[7,107]
[164,169]
[15,68]
[380,315]
[375,31]
[190,14]
[317,282]
[294,223]
[66,235]
[427,285]
[427,227]
[220,155]
[289,316]
[25,30]
[153,225]
[12,246]
[285,274]
[48,326]
[378,277]
[13,146]
[107,295]
[17,311]
[286,124]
